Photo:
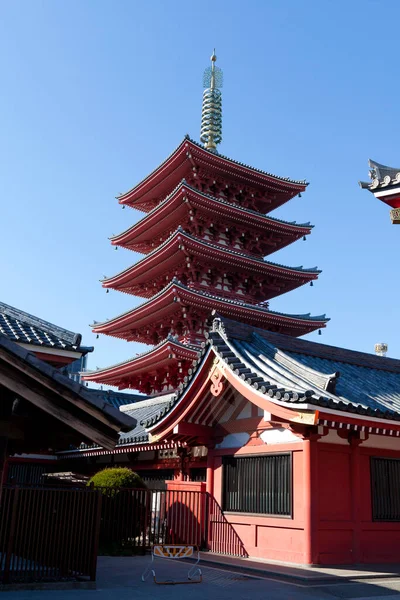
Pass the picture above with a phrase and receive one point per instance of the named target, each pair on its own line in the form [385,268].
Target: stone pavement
[119,579]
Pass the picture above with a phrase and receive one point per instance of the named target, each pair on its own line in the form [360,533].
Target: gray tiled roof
[145,411]
[116,399]
[290,370]
[142,411]
[293,370]
[305,371]
[372,388]
[24,328]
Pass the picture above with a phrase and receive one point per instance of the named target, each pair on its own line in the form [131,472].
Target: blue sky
[95,94]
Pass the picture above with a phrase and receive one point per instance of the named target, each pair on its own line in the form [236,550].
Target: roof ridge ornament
[211,115]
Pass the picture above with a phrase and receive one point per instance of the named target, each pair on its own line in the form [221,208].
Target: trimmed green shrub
[118,477]
[123,510]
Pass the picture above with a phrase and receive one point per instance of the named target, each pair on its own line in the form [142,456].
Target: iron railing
[53,533]
[132,521]
[48,534]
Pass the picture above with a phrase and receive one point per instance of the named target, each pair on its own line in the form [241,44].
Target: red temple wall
[269,537]
[340,529]
[346,532]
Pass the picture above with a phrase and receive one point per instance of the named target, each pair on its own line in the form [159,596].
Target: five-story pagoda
[204,236]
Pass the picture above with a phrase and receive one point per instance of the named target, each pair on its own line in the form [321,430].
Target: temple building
[385,185]
[204,236]
[293,445]
[297,442]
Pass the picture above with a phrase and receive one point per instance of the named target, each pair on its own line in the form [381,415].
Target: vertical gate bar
[96,518]
[71,517]
[23,533]
[147,499]
[92,520]
[6,574]
[35,565]
[63,501]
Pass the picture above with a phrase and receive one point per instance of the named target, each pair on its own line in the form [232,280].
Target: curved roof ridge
[317,378]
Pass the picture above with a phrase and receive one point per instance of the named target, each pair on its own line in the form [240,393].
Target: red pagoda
[204,236]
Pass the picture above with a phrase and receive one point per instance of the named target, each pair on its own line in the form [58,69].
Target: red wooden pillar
[310,497]
[210,473]
[356,497]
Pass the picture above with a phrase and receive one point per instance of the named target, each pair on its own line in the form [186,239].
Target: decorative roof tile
[381,176]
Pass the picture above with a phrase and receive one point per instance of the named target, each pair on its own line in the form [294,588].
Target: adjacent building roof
[381,177]
[39,383]
[143,411]
[24,328]
[115,399]
[385,186]
[327,376]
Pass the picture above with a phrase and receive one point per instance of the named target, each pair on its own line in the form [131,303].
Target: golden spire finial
[211,121]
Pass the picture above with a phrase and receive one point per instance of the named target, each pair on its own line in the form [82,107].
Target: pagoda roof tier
[176,306]
[186,255]
[191,208]
[190,159]
[165,365]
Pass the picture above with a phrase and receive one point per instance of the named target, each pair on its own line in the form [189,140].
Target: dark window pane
[385,484]
[198,474]
[258,484]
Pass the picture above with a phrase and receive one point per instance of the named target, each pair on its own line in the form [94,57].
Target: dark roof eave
[117,418]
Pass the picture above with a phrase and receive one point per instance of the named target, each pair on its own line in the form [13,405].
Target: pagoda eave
[183,251]
[189,207]
[167,364]
[175,303]
[190,157]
